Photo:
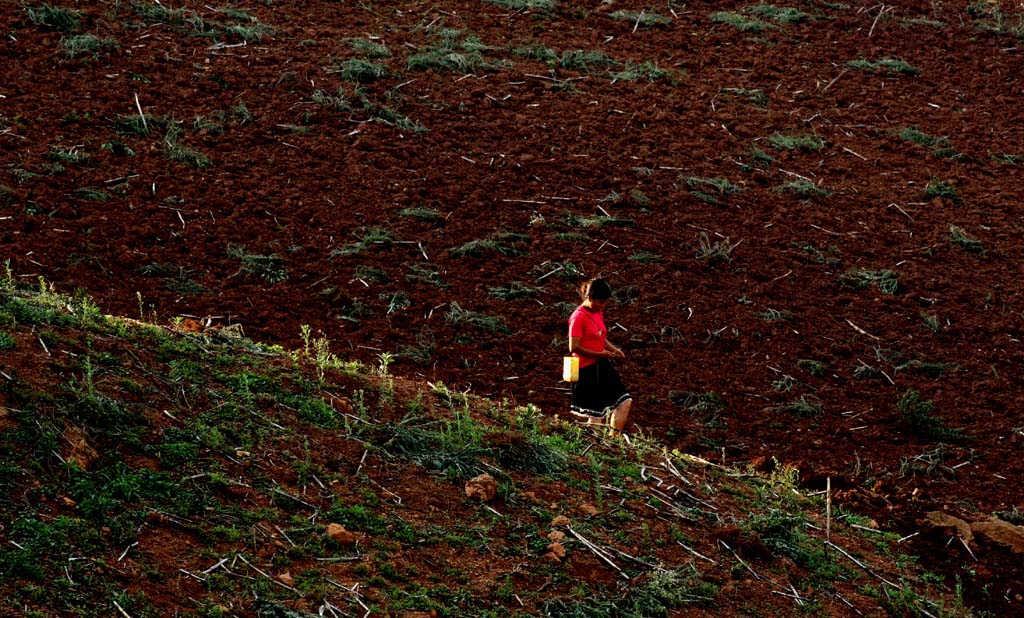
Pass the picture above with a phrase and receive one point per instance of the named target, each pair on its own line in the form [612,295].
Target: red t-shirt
[589,327]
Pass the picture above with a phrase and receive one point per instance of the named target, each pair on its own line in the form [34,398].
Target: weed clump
[917,414]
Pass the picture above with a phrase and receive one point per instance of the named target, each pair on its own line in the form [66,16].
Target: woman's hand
[614,352]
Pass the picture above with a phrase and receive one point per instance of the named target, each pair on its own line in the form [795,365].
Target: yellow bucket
[571,369]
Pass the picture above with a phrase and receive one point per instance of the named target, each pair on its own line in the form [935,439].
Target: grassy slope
[149,471]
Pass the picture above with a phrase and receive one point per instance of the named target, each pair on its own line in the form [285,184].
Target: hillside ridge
[152,471]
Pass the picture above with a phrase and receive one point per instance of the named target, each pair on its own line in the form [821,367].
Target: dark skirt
[598,389]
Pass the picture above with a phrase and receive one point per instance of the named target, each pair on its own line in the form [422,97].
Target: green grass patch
[492,324]
[526,5]
[426,215]
[83,44]
[805,143]
[806,406]
[886,281]
[741,22]
[452,51]
[361,71]
[643,19]
[804,189]
[632,72]
[55,18]
[504,243]
[755,96]
[366,239]
[645,257]
[885,65]
[268,267]
[780,14]
[941,189]
[586,61]
[537,51]
[714,251]
[179,153]
[959,237]
[917,414]
[369,48]
[92,194]
[514,291]
[1008,159]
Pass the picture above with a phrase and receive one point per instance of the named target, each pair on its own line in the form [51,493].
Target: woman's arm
[576,347]
[613,350]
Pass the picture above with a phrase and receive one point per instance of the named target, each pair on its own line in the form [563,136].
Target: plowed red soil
[304,214]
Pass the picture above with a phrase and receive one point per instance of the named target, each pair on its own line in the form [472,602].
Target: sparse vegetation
[82,44]
[586,61]
[714,251]
[917,414]
[488,323]
[942,190]
[643,70]
[526,5]
[217,178]
[362,71]
[884,65]
[178,153]
[453,51]
[369,48]
[885,280]
[755,96]
[743,23]
[269,267]
[507,244]
[55,18]
[804,189]
[643,19]
[780,14]
[806,143]
[960,238]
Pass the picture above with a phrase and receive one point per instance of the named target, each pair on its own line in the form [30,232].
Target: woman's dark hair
[596,289]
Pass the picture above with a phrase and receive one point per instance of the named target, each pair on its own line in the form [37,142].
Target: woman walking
[599,395]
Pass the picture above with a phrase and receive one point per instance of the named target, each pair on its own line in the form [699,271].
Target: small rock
[338,534]
[944,521]
[561,520]
[556,552]
[589,509]
[1001,532]
[483,487]
[556,535]
[81,453]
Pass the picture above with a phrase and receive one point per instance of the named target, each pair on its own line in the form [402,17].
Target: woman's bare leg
[621,414]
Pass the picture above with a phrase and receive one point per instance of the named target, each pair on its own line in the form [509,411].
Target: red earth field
[811,216]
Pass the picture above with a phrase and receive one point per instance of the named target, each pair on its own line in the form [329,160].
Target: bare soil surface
[806,225]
